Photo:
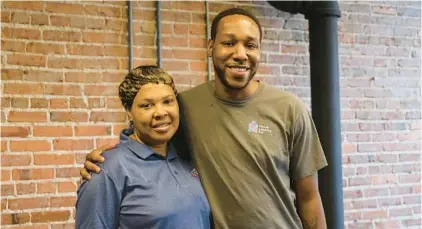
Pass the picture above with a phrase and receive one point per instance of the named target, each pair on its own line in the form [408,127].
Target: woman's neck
[160,149]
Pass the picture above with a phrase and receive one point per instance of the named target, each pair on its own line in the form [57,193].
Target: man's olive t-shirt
[249,152]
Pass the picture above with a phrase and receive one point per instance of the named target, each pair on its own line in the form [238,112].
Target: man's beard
[223,80]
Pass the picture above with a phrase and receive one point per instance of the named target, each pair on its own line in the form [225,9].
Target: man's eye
[228,43]
[252,46]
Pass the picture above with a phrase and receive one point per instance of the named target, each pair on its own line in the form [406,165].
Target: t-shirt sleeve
[307,154]
[98,203]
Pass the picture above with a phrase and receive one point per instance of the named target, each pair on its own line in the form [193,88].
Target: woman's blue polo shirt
[138,188]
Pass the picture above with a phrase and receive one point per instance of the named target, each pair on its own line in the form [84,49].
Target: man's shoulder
[281,95]
[201,88]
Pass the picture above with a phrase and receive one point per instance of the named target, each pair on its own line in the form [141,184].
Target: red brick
[175,65]
[23,88]
[25,188]
[15,160]
[28,203]
[21,33]
[65,8]
[5,16]
[101,37]
[46,187]
[147,15]
[63,201]
[12,46]
[104,11]
[100,90]
[71,145]
[113,77]
[107,141]
[5,175]
[39,20]
[63,226]
[114,102]
[26,60]
[59,103]
[85,50]
[107,117]
[49,216]
[54,159]
[96,102]
[43,76]
[67,186]
[67,172]
[52,35]
[29,145]
[20,102]
[15,131]
[24,5]
[180,17]
[94,23]
[33,174]
[44,48]
[69,63]
[410,178]
[58,116]
[23,116]
[39,103]
[101,64]
[92,130]
[7,189]
[15,218]
[11,74]
[83,77]
[63,89]
[78,103]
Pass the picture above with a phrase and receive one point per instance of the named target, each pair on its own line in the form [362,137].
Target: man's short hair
[138,77]
[233,11]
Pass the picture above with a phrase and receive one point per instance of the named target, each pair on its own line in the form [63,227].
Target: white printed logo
[254,127]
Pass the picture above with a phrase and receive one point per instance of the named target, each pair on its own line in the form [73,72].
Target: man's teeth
[239,69]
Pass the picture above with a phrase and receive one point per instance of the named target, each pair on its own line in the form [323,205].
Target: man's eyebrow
[232,35]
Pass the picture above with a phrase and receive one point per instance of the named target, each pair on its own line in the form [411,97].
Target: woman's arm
[98,203]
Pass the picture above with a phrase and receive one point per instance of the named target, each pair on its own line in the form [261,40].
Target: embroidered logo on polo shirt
[194,173]
[254,127]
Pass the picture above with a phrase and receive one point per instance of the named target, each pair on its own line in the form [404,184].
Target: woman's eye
[146,105]
[168,101]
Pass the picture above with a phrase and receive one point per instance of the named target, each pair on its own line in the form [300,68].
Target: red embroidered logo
[194,173]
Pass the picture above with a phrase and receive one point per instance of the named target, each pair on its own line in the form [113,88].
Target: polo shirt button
[175,172]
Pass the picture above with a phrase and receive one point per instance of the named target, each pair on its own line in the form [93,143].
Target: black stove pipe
[325,97]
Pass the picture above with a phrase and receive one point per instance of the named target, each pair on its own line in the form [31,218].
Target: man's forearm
[312,214]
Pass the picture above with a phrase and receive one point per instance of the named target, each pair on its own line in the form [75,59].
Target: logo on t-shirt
[194,173]
[254,127]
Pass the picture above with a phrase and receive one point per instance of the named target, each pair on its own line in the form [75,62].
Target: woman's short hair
[139,76]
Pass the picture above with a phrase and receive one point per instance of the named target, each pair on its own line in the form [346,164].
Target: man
[255,147]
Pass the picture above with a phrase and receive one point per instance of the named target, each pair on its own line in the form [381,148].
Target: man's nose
[240,53]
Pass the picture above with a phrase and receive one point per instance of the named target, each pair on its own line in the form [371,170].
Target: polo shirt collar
[141,150]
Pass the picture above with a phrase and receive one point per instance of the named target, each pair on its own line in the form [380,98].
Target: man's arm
[92,158]
[309,205]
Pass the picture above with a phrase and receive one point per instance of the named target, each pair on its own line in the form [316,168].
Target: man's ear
[210,47]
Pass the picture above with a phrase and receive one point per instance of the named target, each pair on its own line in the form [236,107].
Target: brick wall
[61,64]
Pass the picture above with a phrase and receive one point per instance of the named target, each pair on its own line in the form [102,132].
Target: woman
[146,185]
